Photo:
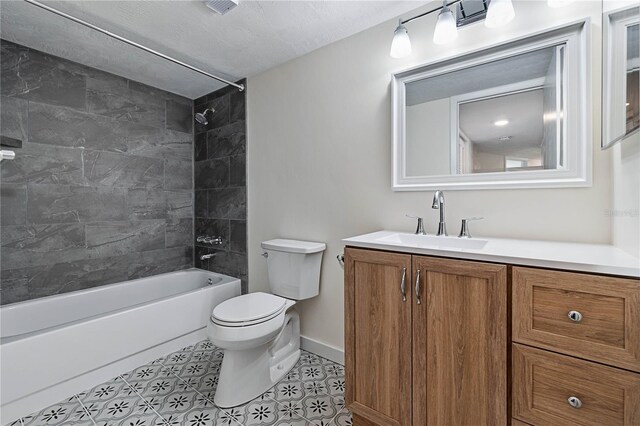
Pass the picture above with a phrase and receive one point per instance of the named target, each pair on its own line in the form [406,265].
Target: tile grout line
[335,398]
[143,398]
[85,410]
[344,408]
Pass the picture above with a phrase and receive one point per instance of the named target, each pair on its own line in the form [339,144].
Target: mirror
[621,72]
[508,116]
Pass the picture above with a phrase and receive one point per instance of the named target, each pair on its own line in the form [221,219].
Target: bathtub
[54,347]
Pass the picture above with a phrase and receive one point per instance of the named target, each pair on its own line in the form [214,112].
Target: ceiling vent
[221,6]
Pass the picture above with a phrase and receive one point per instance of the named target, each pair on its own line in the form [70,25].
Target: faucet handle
[420,227]
[464,230]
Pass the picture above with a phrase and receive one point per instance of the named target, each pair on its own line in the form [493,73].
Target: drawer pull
[575,316]
[403,285]
[574,402]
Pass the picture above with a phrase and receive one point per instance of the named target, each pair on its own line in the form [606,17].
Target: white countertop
[595,258]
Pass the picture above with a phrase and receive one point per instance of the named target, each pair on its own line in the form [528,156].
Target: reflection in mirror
[633,72]
[621,71]
[500,116]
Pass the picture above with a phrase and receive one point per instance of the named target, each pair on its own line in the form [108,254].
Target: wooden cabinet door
[378,337]
[459,343]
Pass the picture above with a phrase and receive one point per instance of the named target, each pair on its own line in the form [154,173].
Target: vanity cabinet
[441,341]
[426,340]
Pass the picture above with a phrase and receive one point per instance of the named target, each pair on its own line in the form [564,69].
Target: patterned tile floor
[178,389]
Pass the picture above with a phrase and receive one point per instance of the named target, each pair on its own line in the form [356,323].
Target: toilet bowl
[260,332]
[260,347]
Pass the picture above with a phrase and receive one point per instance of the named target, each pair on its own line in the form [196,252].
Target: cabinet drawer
[543,382]
[605,325]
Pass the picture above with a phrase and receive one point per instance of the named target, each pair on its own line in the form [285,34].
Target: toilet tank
[293,267]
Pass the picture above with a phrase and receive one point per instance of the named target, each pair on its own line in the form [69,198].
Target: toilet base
[248,373]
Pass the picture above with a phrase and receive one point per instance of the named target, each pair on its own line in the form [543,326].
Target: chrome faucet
[438,203]
[464,230]
[207,256]
[420,228]
[214,241]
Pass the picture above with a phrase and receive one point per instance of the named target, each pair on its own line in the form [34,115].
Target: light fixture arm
[428,12]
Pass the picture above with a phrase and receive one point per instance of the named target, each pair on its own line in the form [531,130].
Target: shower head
[201,117]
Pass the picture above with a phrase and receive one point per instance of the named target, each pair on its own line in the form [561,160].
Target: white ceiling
[514,69]
[524,112]
[253,37]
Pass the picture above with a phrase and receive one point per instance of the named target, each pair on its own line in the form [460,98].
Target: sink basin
[432,241]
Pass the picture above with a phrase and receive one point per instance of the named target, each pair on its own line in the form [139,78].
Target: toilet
[260,332]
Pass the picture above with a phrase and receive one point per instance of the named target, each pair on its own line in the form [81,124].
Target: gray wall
[220,182]
[102,189]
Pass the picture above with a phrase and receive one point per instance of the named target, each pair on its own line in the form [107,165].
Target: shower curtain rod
[132,43]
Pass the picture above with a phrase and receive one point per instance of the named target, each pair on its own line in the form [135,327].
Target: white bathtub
[53,347]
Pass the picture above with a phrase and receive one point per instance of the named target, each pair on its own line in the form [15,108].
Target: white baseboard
[322,349]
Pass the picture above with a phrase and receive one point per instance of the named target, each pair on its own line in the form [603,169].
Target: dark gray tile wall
[102,189]
[220,182]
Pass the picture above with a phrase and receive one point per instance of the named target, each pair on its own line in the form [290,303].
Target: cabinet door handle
[403,285]
[418,300]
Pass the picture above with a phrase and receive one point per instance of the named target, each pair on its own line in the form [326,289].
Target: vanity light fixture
[446,28]
[500,13]
[501,123]
[449,20]
[401,44]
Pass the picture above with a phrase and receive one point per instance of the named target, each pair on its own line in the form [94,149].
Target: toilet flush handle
[265,254]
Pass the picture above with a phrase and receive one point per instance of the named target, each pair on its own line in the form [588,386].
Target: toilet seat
[248,309]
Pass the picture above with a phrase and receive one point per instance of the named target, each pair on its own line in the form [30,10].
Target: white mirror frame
[577,171]
[614,87]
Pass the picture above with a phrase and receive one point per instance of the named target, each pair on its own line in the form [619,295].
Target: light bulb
[401,44]
[558,3]
[500,13]
[446,29]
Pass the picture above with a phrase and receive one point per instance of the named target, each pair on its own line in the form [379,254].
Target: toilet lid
[248,308]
